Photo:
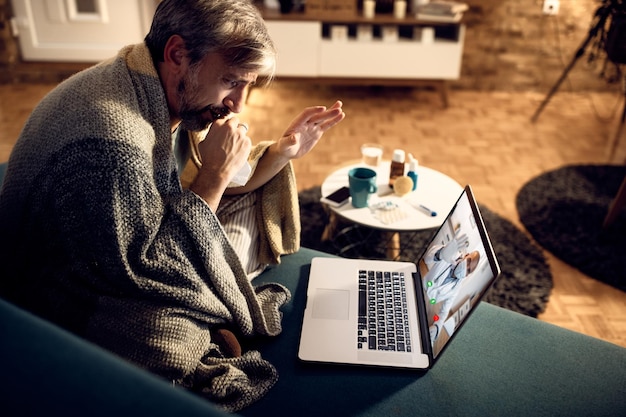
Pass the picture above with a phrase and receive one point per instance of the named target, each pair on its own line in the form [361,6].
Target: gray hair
[235,29]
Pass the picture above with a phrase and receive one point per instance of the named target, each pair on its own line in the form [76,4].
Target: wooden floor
[483,138]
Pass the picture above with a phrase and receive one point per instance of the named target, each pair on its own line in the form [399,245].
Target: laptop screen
[456,269]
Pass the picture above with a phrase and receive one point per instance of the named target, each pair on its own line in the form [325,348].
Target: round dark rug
[524,285]
[564,210]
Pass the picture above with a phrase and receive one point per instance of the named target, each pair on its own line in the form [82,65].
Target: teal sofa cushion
[3,168]
[500,364]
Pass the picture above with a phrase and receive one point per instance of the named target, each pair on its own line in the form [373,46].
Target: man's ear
[175,53]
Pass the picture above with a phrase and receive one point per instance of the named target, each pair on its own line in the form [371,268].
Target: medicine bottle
[397,166]
[412,170]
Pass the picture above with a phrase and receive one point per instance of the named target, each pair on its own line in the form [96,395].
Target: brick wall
[510,45]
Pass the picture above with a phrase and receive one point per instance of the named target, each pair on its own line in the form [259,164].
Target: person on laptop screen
[455,273]
[450,264]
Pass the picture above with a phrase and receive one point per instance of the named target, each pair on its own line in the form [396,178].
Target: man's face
[210,90]
[472,261]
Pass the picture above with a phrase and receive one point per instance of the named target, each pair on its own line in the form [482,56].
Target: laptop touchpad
[331,304]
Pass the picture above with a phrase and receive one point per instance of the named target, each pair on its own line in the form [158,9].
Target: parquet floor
[483,138]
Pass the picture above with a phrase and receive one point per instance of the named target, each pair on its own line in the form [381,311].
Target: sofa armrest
[49,371]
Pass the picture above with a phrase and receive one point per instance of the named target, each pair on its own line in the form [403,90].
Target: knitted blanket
[99,236]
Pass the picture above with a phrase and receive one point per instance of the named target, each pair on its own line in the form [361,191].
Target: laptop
[399,314]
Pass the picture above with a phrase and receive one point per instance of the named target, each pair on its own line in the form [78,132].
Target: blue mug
[362,183]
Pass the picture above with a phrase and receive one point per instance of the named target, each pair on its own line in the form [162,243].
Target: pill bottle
[397,166]
[412,171]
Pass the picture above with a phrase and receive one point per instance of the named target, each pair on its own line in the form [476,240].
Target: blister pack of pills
[388,212]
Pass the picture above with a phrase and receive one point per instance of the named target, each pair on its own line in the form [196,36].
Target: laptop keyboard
[383,315]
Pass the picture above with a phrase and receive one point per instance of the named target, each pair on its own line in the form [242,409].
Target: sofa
[500,364]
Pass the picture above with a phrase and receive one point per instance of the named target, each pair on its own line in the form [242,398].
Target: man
[450,264]
[98,235]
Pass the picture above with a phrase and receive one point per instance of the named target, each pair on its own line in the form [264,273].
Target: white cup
[369,8]
[339,32]
[428,35]
[389,33]
[364,32]
[399,9]
[372,154]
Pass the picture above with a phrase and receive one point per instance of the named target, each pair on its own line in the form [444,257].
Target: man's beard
[191,117]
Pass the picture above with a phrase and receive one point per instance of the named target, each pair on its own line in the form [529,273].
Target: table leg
[618,202]
[329,230]
[443,91]
[393,245]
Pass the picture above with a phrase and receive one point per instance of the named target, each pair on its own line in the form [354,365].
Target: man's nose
[235,100]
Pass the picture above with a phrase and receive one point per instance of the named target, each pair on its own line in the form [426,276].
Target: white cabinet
[307,48]
[298,47]
[401,59]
